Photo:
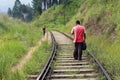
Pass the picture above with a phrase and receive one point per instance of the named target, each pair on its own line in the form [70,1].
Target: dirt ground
[61,39]
[28,56]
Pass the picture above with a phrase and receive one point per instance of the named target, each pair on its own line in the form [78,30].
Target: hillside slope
[100,17]
[102,21]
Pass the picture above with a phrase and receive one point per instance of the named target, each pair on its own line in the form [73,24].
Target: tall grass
[39,59]
[16,37]
[107,53]
[104,44]
[34,65]
[95,15]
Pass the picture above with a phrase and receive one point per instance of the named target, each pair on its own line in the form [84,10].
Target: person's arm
[72,31]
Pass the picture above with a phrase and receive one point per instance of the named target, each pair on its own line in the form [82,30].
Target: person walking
[79,37]
[44,30]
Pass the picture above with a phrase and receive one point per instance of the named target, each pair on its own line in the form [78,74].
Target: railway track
[62,66]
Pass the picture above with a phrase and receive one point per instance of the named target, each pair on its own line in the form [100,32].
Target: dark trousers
[78,51]
[43,32]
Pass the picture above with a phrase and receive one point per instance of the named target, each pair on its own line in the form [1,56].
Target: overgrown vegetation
[34,65]
[40,57]
[21,11]
[100,17]
[102,23]
[16,38]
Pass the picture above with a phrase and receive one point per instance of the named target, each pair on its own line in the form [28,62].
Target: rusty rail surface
[46,68]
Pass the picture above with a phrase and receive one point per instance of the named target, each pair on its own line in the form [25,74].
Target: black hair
[77,22]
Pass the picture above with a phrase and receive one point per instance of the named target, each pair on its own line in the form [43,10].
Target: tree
[9,12]
[37,6]
[49,3]
[65,4]
[27,12]
[17,9]
[31,14]
[45,4]
[55,2]
[60,1]
[21,11]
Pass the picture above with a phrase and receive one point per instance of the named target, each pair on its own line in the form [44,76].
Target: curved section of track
[99,65]
[64,67]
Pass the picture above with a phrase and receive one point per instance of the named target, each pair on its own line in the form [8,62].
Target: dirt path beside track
[28,56]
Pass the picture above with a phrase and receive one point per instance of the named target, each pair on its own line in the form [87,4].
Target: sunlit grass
[107,52]
[39,59]
[34,65]
[16,37]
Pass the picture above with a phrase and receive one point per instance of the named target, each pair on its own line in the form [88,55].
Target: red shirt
[78,32]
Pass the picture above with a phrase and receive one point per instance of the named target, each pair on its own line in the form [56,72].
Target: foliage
[34,65]
[40,5]
[37,6]
[27,12]
[39,59]
[15,40]
[9,12]
[21,11]
[101,19]
[58,15]
[17,10]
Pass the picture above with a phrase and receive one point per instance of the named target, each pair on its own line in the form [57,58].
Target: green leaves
[37,6]
[21,11]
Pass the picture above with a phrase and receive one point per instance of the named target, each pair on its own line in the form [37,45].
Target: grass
[101,19]
[15,40]
[103,43]
[107,53]
[34,65]
[40,57]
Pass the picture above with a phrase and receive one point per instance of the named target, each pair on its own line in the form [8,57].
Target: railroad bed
[62,66]
[65,67]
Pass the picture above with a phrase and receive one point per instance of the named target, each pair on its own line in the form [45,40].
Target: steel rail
[103,71]
[46,68]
